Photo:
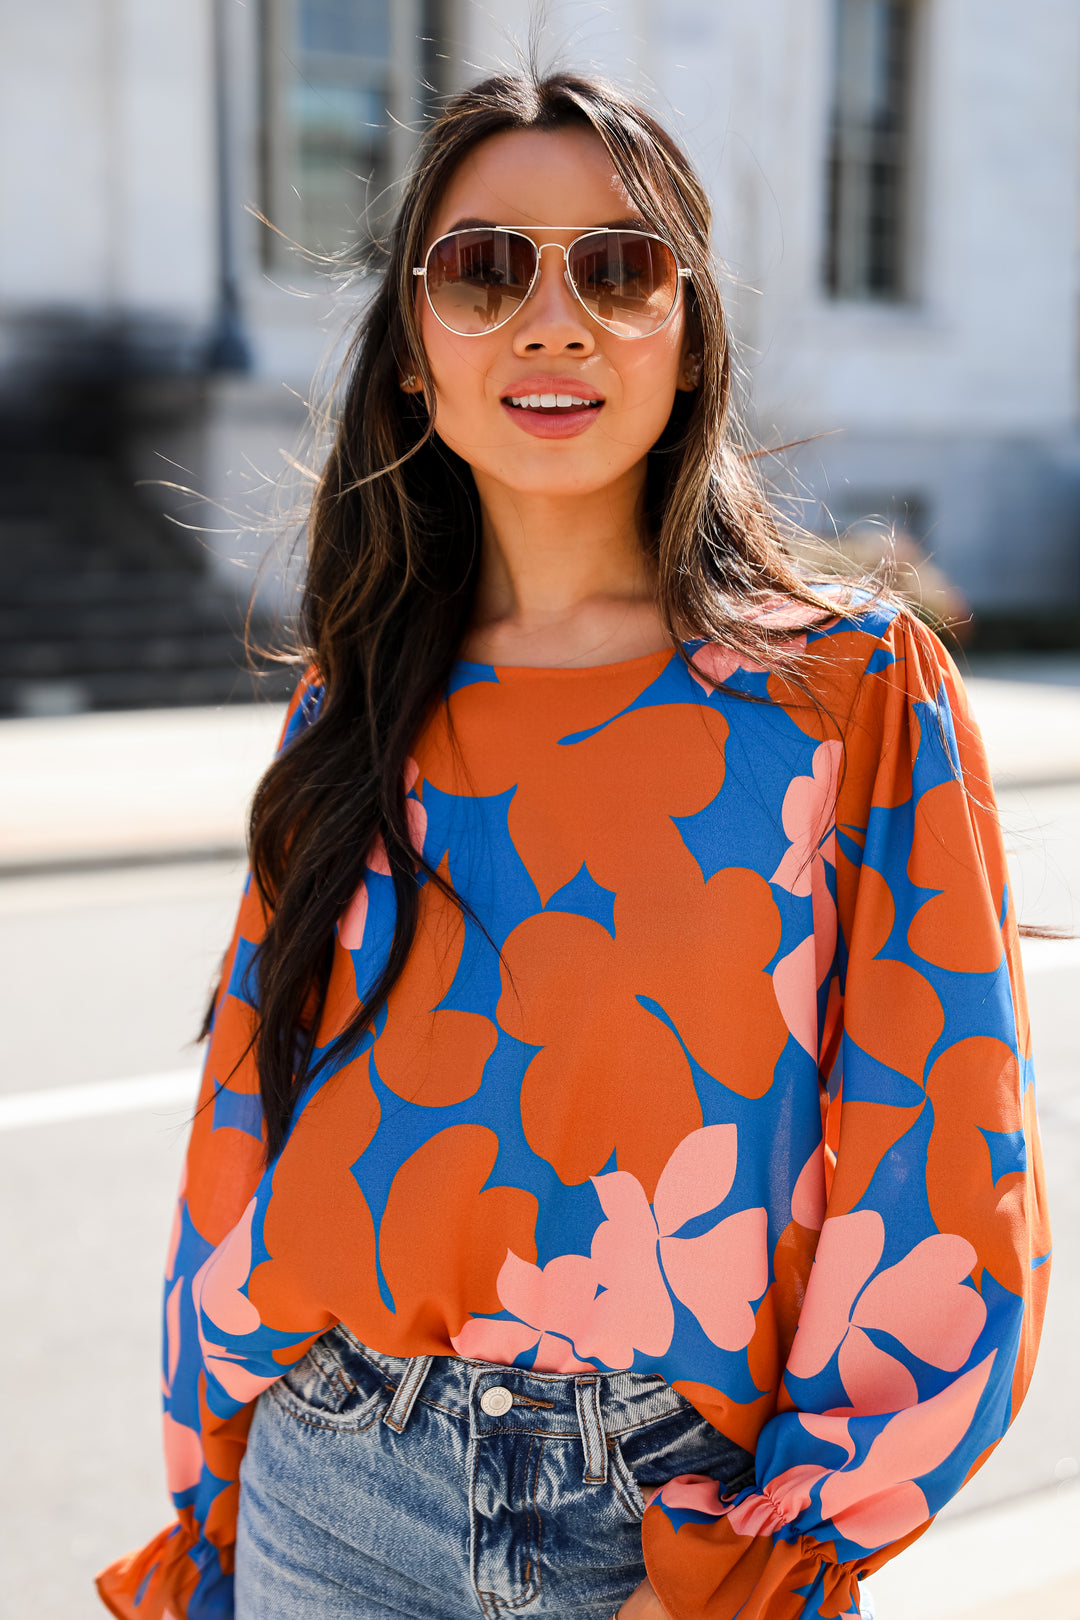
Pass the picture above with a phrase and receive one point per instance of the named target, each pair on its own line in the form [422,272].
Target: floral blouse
[727,1077]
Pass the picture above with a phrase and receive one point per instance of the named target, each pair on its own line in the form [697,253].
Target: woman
[618,1090]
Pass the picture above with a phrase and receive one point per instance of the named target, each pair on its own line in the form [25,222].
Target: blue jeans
[378,1487]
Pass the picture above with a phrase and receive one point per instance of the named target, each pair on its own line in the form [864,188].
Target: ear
[689,365]
[410,383]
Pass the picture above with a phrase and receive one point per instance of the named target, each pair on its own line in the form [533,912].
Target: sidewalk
[155,784]
[979,1566]
[167,784]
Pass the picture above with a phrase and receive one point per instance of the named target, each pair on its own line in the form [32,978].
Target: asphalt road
[104,977]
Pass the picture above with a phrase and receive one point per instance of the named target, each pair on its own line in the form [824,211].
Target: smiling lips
[552,407]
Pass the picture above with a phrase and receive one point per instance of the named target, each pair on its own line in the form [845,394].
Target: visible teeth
[549,402]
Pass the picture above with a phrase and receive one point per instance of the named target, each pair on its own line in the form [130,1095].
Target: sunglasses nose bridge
[567,277]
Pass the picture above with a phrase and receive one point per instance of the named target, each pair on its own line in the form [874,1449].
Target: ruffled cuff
[725,1559]
[160,1581]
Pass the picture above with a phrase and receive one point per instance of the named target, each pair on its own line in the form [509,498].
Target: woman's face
[534,181]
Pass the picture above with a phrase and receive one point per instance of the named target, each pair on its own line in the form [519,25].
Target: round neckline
[615,667]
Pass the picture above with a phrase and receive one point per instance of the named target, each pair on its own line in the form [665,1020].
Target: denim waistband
[592,1407]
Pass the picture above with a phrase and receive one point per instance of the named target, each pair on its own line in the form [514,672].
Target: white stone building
[896,188]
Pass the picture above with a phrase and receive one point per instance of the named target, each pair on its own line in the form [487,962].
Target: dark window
[343,91]
[869,150]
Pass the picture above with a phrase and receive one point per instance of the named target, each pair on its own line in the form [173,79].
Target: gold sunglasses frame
[511,230]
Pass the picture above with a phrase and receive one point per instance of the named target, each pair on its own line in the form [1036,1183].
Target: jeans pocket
[623,1483]
[685,1443]
[334,1386]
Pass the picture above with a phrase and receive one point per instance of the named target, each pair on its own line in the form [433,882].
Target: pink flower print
[219,1303]
[878,1501]
[795,986]
[849,1248]
[183,1455]
[697,1493]
[874,1380]
[354,919]
[220,1280]
[416,820]
[172,1331]
[618,1299]
[352,925]
[808,1193]
[780,1500]
[780,612]
[719,1273]
[873,1504]
[611,1303]
[922,1301]
[378,860]
[697,1177]
[809,821]
[718,663]
[502,1343]
[237,1382]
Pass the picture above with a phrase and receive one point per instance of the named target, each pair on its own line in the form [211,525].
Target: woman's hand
[642,1604]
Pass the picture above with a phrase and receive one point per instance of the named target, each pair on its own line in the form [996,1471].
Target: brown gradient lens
[476,280]
[627,281]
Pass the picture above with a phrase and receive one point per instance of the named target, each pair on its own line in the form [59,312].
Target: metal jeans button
[496,1401]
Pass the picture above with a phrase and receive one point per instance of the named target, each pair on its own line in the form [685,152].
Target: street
[105,975]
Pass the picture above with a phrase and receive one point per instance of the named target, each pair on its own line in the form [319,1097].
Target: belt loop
[587,1400]
[397,1414]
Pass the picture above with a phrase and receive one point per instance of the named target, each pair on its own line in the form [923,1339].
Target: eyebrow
[630,222]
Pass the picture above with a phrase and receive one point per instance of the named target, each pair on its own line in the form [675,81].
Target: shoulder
[874,648]
[877,680]
[303,708]
[903,714]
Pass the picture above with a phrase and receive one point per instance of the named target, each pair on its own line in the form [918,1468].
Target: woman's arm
[213,1368]
[917,1333]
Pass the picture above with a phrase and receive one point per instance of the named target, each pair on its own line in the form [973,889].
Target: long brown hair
[394,550]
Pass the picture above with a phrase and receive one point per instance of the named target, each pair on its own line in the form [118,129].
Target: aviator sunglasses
[477,279]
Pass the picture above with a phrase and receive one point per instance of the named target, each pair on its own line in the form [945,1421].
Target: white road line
[55,1104]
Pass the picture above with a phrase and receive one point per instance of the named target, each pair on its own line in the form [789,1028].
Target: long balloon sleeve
[209,1385]
[914,1343]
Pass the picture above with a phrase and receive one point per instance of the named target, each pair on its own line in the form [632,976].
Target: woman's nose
[552,320]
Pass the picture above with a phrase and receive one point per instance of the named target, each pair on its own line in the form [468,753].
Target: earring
[692,371]
[409,383]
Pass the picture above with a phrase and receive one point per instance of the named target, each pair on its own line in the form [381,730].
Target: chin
[557,480]
[556,467]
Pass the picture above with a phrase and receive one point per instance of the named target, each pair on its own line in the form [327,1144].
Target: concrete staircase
[104,604]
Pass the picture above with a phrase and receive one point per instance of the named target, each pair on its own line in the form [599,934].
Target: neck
[564,579]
